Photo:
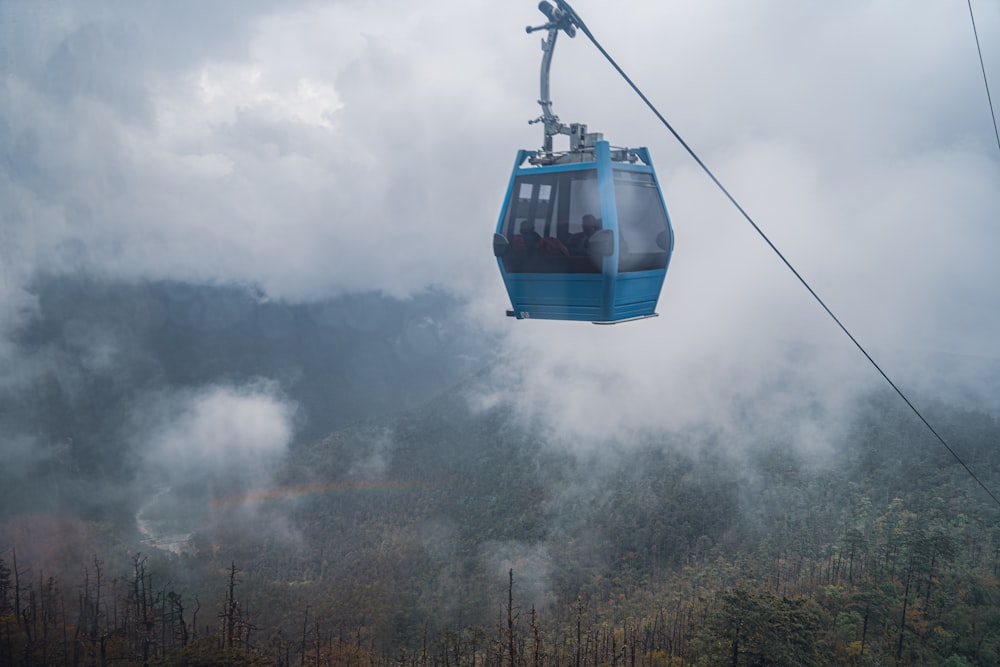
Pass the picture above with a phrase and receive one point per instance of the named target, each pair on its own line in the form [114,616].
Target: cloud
[327,148]
[322,138]
[198,451]
[217,432]
[317,149]
[596,389]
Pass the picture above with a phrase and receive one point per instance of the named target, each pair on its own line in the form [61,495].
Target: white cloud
[320,148]
[202,454]
[218,432]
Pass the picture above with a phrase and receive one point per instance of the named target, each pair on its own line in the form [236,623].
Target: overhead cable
[986,81]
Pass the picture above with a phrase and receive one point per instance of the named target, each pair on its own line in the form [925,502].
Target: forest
[453,535]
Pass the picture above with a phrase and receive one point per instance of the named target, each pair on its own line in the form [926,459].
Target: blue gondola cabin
[586,238]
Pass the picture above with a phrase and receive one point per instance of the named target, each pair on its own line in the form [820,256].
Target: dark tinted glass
[545,223]
[642,222]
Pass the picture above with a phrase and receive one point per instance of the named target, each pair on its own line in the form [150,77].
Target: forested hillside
[458,534]
[104,368]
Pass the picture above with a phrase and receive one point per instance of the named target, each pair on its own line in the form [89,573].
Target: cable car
[583,234]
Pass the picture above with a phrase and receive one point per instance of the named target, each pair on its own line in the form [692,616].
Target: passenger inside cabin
[524,242]
[578,243]
[533,253]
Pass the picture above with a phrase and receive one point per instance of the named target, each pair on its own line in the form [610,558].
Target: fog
[342,164]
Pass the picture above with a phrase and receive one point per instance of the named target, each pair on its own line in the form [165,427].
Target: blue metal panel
[609,220]
[637,293]
[558,296]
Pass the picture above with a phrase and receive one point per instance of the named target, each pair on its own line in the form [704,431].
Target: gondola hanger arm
[561,17]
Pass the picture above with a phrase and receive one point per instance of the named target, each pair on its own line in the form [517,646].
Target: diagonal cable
[583,27]
[986,81]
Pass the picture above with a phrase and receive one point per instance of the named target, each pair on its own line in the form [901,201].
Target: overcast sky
[316,148]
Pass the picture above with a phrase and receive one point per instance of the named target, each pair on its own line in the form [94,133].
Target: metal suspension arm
[565,19]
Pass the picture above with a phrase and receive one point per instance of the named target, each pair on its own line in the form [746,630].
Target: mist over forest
[370,469]
[106,374]
[260,403]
